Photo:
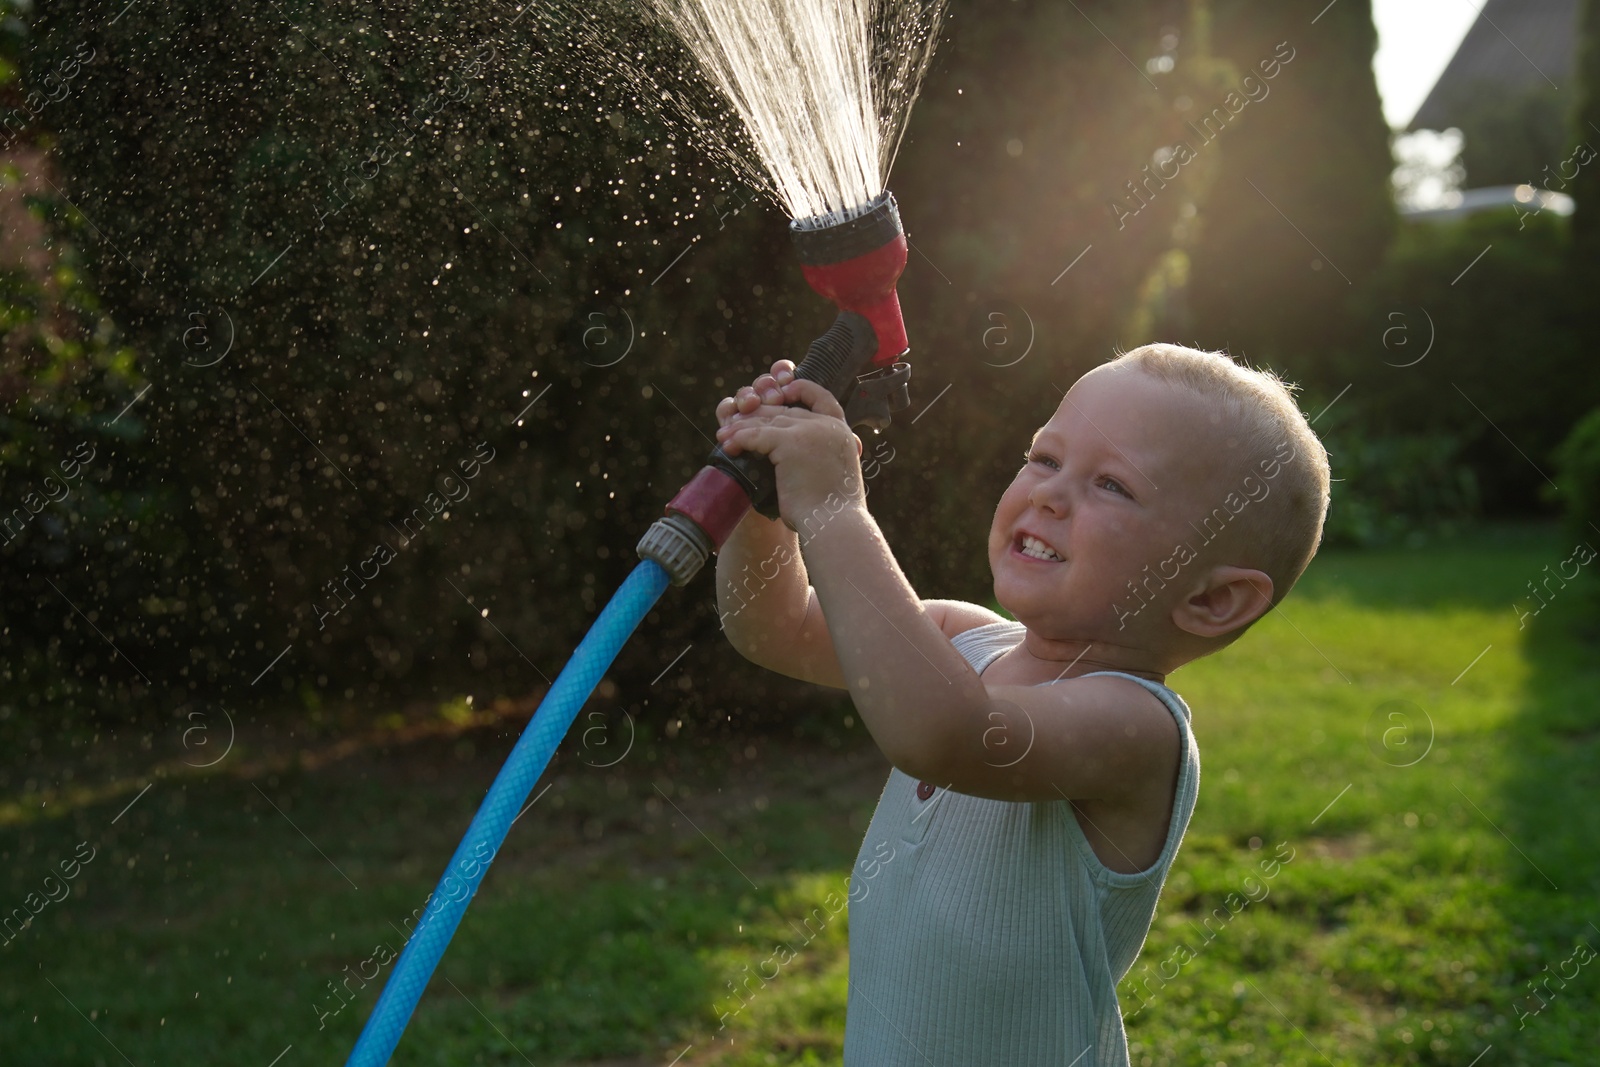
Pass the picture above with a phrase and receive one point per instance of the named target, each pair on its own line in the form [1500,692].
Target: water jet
[822,88]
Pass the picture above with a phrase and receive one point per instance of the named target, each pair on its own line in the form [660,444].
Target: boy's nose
[1050,495]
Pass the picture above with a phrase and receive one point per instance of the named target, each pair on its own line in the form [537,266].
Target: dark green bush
[1471,332]
[74,485]
[1315,151]
[410,237]
[1396,489]
[1578,463]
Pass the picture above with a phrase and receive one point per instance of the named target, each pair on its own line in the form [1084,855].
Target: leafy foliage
[1397,489]
[1469,330]
[1579,464]
[1511,138]
[1302,209]
[1586,125]
[354,246]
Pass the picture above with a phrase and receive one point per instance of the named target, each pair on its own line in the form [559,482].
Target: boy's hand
[764,390]
[809,446]
[767,389]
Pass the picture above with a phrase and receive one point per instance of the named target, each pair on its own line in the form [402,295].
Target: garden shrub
[1397,489]
[1472,332]
[1578,464]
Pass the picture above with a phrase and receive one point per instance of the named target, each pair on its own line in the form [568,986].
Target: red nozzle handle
[728,486]
[855,263]
[865,285]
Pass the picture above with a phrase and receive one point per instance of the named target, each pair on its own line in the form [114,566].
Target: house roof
[1514,44]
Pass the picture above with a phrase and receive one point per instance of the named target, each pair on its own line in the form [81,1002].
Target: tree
[1512,137]
[1586,185]
[425,230]
[1301,210]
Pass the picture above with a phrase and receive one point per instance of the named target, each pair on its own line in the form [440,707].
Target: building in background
[1510,91]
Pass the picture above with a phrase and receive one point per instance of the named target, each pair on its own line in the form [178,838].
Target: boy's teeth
[1032,546]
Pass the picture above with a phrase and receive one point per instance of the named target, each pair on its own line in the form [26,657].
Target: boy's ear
[1232,597]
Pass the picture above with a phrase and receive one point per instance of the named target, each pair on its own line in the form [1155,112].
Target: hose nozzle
[855,264]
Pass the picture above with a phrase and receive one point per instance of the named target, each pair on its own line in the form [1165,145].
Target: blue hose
[522,769]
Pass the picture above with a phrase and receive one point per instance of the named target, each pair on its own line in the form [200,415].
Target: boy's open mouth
[1030,547]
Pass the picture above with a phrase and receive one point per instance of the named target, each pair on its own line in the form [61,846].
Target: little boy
[1043,773]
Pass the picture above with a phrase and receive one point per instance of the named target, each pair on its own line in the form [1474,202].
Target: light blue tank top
[986,933]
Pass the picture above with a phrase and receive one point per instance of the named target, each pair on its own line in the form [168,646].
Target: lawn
[1392,861]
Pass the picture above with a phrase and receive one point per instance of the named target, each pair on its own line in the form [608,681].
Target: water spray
[855,264]
[782,64]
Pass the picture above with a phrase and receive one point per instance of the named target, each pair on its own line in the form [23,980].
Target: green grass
[1405,929]
[1418,906]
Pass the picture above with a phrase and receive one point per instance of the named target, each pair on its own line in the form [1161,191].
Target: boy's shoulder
[957,616]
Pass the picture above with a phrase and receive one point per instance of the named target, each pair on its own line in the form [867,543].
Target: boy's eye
[1116,487]
[1038,457]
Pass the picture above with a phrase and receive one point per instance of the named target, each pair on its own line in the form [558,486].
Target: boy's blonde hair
[1285,526]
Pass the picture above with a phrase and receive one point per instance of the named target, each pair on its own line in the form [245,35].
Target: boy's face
[1110,485]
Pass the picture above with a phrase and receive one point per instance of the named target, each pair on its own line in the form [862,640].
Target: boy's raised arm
[767,606]
[764,598]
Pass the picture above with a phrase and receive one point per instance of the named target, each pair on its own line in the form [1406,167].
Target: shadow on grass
[1535,802]
[236,916]
[1547,812]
